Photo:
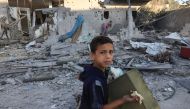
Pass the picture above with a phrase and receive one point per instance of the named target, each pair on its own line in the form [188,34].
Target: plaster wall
[93,19]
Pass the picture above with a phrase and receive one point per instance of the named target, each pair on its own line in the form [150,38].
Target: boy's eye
[103,52]
[111,52]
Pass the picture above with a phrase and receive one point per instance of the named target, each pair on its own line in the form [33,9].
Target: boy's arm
[119,102]
[96,98]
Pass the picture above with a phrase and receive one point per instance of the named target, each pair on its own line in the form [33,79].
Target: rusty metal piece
[185,52]
[163,57]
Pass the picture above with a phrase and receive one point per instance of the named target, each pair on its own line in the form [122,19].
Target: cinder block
[132,81]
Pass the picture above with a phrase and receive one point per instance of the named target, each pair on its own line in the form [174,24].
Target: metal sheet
[132,81]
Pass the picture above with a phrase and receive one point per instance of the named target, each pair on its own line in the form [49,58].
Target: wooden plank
[130,62]
[150,66]
[14,72]
[45,78]
[38,64]
[8,42]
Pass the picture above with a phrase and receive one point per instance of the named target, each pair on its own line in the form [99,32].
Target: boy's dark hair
[99,40]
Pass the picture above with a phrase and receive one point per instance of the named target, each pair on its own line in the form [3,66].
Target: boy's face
[103,56]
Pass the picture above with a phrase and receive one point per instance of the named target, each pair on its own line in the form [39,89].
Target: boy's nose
[108,55]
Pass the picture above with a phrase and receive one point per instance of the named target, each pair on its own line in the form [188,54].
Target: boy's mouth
[108,62]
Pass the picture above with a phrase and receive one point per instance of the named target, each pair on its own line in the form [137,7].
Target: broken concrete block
[185,31]
[151,48]
[62,38]
[11,81]
[132,81]
[75,67]
[175,37]
[66,59]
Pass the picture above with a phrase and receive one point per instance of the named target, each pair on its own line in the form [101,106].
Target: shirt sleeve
[96,95]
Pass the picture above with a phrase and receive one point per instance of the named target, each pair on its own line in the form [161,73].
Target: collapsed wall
[174,20]
[93,19]
[163,15]
[3,10]
[157,6]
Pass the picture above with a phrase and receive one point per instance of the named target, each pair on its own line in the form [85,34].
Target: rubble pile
[45,76]
[40,63]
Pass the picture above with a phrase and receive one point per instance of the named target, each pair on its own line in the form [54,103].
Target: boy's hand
[128,98]
[135,93]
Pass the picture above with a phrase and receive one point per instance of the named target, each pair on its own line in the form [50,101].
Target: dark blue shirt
[95,88]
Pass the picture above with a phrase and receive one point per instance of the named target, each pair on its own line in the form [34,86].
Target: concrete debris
[131,24]
[124,34]
[184,82]
[76,67]
[177,37]
[162,58]
[174,36]
[40,31]
[43,73]
[185,30]
[164,86]
[30,45]
[11,81]
[53,106]
[151,48]
[38,64]
[150,66]
[64,64]
[87,37]
[115,38]
[13,12]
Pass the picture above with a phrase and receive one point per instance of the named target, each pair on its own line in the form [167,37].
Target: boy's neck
[102,69]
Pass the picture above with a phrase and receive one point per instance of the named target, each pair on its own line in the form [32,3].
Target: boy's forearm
[114,104]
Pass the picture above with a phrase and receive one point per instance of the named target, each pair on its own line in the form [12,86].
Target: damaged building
[44,46]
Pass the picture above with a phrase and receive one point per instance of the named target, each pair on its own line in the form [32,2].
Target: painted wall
[93,19]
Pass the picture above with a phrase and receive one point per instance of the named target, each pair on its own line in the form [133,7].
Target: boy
[105,27]
[95,88]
